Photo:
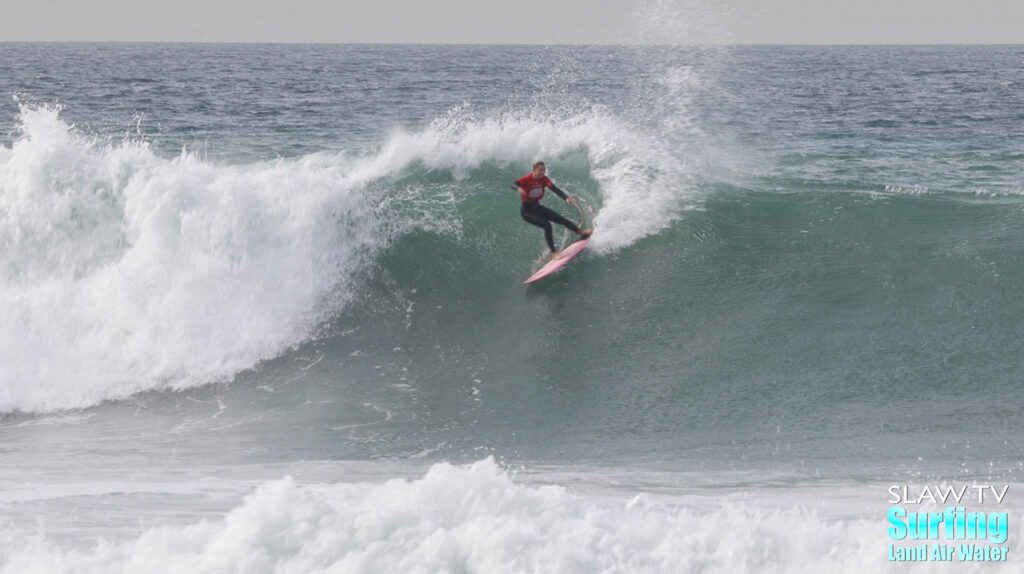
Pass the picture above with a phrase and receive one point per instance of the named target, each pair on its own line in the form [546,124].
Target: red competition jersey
[534,186]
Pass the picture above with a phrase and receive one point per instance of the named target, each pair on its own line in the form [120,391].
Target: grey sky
[522,21]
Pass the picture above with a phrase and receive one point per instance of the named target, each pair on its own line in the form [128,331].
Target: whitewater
[261,311]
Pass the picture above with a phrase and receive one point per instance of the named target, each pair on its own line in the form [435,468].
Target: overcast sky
[518,22]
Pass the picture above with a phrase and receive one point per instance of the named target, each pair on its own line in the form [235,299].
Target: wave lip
[643,187]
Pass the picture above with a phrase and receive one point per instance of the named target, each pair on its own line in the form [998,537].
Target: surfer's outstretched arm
[559,192]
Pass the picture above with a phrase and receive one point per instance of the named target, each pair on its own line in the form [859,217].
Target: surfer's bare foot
[584,233]
[555,256]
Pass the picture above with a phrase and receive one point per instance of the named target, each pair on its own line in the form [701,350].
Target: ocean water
[261,310]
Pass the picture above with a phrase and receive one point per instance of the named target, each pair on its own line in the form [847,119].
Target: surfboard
[555,264]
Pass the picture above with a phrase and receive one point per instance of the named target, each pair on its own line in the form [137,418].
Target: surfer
[531,190]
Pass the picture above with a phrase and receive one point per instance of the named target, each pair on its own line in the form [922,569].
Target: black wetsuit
[536,214]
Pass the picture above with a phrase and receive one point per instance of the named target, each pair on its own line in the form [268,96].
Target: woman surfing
[531,189]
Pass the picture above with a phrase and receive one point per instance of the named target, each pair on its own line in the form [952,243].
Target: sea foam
[473,518]
[124,271]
